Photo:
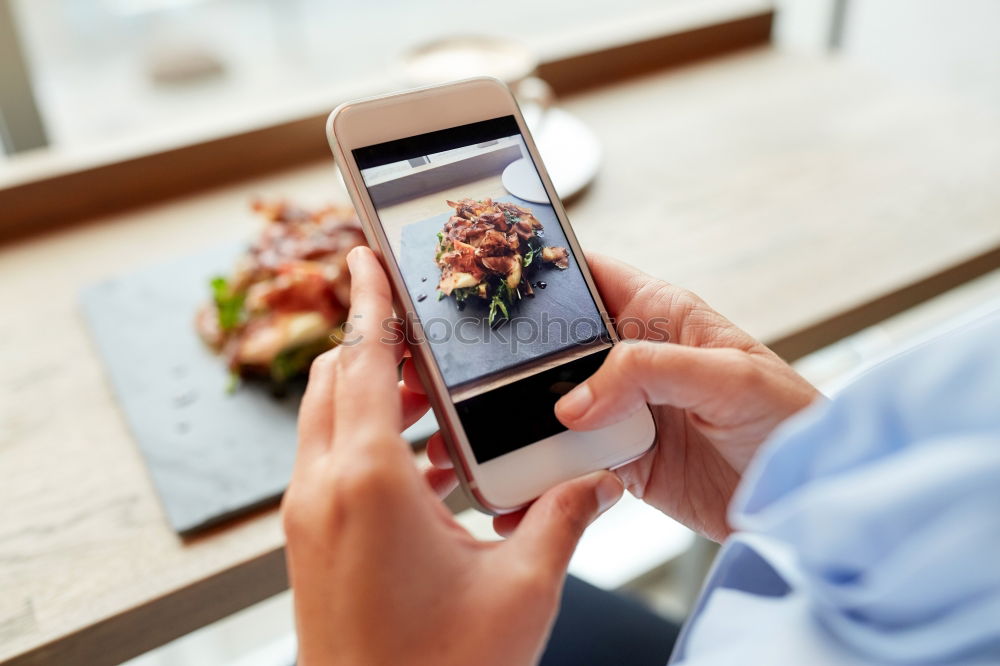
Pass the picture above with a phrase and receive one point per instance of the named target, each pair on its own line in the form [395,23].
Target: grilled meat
[485,249]
[558,256]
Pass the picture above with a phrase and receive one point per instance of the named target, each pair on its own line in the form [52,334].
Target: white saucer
[571,153]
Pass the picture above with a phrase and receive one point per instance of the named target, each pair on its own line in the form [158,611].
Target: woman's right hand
[716,394]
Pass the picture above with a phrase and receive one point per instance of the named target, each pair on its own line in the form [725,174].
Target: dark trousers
[600,628]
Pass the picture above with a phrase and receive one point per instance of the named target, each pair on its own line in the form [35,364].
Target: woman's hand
[716,394]
[381,572]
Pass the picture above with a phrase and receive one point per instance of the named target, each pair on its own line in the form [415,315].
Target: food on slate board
[487,250]
[288,294]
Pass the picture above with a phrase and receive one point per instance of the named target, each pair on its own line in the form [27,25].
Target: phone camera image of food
[288,294]
[482,254]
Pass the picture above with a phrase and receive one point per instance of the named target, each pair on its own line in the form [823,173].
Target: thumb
[657,373]
[554,523]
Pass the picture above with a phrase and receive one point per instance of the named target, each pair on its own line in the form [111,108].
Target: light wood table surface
[802,198]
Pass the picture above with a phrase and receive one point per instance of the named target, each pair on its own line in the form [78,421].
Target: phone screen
[498,292]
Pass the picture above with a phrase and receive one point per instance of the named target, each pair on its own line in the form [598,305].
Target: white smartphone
[499,306]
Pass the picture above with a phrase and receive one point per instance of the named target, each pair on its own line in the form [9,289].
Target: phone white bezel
[511,481]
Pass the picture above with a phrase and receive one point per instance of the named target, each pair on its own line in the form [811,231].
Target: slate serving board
[566,298]
[211,454]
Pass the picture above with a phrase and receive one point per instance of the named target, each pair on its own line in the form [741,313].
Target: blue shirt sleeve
[880,512]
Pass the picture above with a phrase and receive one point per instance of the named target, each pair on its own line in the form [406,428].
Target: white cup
[454,58]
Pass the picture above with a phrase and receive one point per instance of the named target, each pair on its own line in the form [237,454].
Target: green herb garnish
[534,247]
[233,383]
[497,306]
[228,303]
[462,294]
[444,245]
[502,298]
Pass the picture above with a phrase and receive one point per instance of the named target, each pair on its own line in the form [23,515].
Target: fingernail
[351,258]
[609,491]
[574,404]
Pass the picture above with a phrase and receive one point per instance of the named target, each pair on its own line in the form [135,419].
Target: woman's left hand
[381,572]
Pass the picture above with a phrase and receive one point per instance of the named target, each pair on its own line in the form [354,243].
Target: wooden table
[800,197]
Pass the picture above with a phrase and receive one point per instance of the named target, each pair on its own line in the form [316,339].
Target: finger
[366,395]
[437,452]
[441,481]
[620,286]
[415,405]
[316,410]
[392,334]
[639,373]
[411,378]
[553,525]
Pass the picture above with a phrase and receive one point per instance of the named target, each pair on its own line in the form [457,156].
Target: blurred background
[104,71]
[823,172]
[119,70]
